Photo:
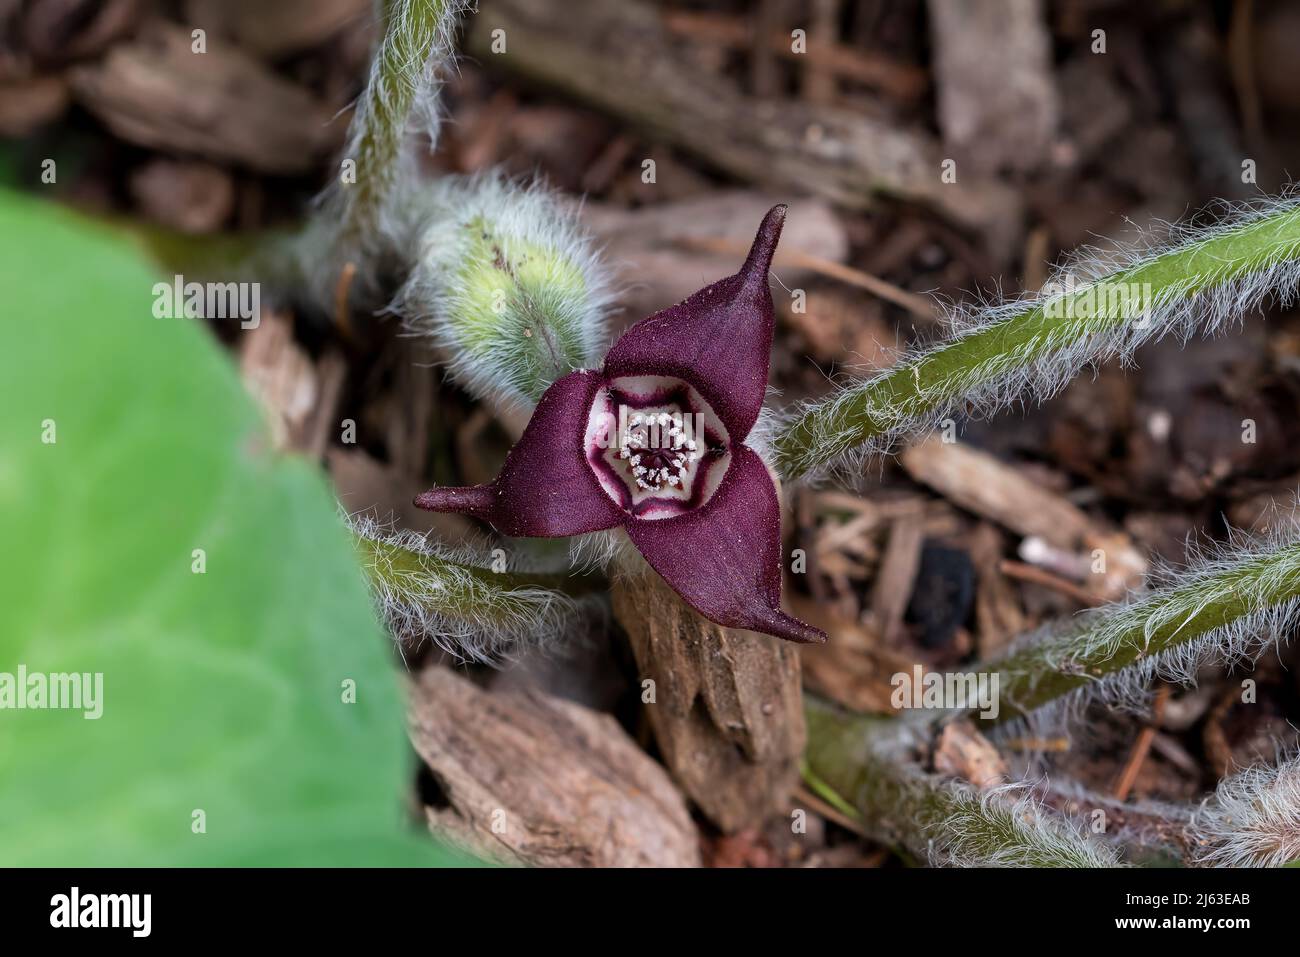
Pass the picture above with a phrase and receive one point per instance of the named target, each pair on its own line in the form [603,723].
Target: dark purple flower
[653,443]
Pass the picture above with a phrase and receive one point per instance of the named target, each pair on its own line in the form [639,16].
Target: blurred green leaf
[223,692]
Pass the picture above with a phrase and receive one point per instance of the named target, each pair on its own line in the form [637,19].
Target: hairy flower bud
[508,286]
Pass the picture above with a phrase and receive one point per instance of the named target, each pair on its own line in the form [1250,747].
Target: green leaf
[222,691]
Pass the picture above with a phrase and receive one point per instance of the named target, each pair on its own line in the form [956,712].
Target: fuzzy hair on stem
[1177,280]
[452,597]
[1144,832]
[1228,606]
[401,97]
[507,285]
[870,763]
[362,226]
[1252,819]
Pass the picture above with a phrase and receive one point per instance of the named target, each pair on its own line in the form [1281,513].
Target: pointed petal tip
[759,260]
[546,488]
[790,628]
[472,499]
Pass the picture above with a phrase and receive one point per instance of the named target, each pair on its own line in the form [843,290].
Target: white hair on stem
[1230,605]
[872,763]
[1251,820]
[450,596]
[401,97]
[359,235]
[1007,827]
[1097,306]
[1143,832]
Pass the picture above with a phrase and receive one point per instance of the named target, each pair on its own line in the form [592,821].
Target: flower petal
[719,339]
[546,489]
[724,558]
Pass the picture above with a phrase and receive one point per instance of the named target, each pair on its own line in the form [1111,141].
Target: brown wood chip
[963,752]
[222,104]
[533,779]
[983,484]
[728,708]
[895,577]
[1000,111]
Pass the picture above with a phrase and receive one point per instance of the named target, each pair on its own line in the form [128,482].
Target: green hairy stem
[1211,277]
[1251,820]
[424,590]
[1228,608]
[860,761]
[391,562]
[417,35]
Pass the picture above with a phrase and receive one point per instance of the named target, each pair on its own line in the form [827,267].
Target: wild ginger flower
[653,443]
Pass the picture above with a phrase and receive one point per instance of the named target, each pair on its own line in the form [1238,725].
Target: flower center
[655,445]
[658,448]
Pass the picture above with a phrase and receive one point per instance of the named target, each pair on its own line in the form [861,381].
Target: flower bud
[507,285]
